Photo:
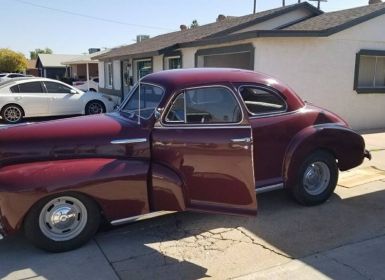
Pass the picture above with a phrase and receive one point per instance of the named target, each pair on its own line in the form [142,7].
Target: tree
[36,52]
[11,61]
[194,24]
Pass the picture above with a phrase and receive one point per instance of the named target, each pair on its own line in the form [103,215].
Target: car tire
[62,222]
[317,179]
[92,89]
[12,113]
[95,107]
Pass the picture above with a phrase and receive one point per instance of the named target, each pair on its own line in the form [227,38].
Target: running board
[140,217]
[269,188]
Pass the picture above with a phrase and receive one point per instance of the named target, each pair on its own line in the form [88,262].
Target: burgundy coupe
[198,140]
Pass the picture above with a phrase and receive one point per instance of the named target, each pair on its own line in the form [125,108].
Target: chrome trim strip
[269,188]
[129,141]
[202,127]
[139,217]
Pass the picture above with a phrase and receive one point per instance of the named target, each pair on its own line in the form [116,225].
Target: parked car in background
[195,139]
[7,76]
[91,85]
[38,97]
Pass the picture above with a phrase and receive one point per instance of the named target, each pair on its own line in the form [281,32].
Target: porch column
[88,76]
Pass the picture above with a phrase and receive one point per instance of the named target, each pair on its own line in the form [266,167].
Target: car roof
[16,81]
[178,79]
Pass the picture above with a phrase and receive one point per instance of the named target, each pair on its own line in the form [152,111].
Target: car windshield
[150,97]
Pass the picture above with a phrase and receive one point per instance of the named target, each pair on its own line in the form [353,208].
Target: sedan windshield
[150,97]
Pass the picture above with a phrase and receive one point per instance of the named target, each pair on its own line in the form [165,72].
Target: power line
[92,17]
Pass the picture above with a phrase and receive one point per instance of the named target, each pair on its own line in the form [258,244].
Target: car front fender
[344,144]
[118,186]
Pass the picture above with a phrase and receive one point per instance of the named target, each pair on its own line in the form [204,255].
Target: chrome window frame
[198,125]
[270,90]
[132,92]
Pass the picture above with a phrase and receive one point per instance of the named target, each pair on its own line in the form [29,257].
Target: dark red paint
[176,168]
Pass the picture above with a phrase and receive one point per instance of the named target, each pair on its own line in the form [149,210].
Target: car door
[61,100]
[203,135]
[31,97]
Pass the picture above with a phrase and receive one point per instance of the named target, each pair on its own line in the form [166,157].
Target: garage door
[230,60]
[236,56]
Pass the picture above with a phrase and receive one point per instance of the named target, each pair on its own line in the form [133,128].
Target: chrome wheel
[316,178]
[12,114]
[95,108]
[63,218]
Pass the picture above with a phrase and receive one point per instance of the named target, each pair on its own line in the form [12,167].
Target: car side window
[261,101]
[31,87]
[53,87]
[14,89]
[208,105]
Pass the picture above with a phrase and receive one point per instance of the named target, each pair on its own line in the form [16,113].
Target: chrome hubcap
[12,114]
[63,218]
[316,178]
[95,108]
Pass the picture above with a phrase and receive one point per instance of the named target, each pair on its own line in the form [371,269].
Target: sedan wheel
[95,107]
[12,114]
[63,218]
[62,223]
[317,179]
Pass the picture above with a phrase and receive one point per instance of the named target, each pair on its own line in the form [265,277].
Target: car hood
[80,137]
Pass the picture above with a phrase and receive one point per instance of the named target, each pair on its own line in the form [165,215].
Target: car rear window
[261,101]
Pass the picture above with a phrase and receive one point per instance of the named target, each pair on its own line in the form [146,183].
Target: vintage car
[198,140]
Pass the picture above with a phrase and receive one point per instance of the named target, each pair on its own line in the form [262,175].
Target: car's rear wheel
[95,107]
[63,222]
[12,113]
[317,179]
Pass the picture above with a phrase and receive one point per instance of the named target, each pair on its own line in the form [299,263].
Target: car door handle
[241,140]
[128,141]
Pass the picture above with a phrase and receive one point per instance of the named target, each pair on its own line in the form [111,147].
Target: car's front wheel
[63,222]
[12,113]
[317,179]
[95,107]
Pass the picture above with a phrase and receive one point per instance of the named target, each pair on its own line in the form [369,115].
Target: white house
[335,60]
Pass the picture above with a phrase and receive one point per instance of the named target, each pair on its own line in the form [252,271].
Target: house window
[143,67]
[109,76]
[172,62]
[370,72]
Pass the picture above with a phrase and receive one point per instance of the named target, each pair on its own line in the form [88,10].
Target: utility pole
[255,6]
[283,3]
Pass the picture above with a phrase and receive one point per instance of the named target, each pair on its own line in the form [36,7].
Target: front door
[204,137]
[62,101]
[126,77]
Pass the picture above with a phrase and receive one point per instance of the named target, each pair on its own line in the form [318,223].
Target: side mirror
[158,113]
[72,91]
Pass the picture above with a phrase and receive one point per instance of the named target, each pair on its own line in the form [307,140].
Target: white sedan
[39,97]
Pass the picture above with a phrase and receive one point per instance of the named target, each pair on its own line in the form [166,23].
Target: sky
[74,26]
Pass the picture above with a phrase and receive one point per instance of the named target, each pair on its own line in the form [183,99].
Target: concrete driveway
[341,239]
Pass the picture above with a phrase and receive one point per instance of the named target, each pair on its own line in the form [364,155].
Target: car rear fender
[118,186]
[344,144]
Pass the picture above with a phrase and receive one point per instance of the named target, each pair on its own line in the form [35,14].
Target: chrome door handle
[241,140]
[128,141]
